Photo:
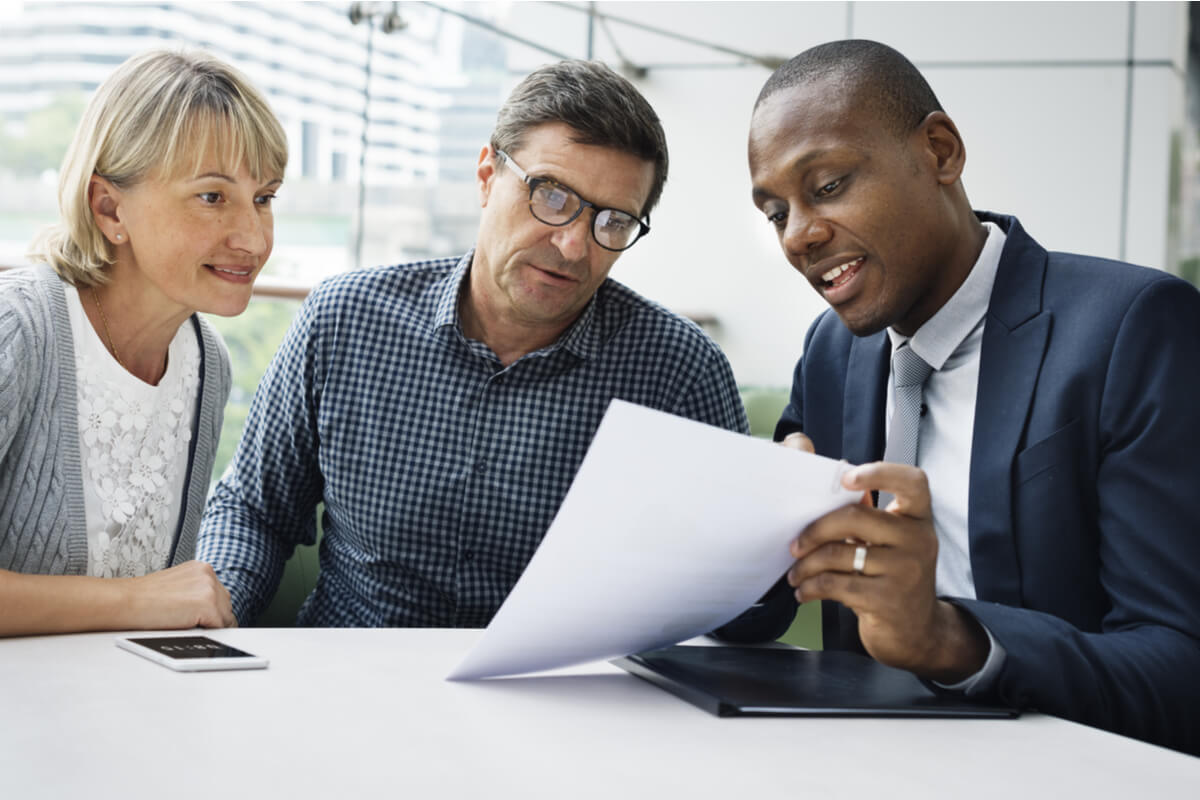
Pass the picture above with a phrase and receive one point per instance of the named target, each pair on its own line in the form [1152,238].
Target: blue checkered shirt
[440,468]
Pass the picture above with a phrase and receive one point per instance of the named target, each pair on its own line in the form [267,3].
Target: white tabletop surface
[366,713]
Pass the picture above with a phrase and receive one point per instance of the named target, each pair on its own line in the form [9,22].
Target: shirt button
[468,556]
[481,466]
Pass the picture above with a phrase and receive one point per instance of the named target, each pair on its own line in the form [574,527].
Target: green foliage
[1189,270]
[805,630]
[764,406]
[252,339]
[47,134]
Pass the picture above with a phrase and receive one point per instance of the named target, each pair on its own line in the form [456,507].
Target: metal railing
[275,289]
[264,286]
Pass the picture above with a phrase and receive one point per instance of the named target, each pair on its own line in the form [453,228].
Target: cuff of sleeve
[982,680]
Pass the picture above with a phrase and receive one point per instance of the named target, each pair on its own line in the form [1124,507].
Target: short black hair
[602,107]
[877,75]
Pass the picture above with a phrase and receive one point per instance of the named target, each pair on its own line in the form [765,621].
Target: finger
[850,558]
[906,483]
[218,617]
[224,604]
[846,589]
[223,609]
[860,523]
[798,441]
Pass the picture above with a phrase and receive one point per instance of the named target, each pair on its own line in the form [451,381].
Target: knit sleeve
[17,356]
[34,512]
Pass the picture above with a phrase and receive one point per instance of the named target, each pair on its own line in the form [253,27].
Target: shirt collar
[940,336]
[451,287]
[582,338]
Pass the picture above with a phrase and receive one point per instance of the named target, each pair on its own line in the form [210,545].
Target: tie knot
[908,368]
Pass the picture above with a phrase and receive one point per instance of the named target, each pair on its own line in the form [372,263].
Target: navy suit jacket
[1084,516]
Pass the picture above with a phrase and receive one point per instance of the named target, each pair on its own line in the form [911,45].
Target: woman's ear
[104,198]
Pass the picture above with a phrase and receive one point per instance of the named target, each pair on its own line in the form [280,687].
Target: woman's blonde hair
[159,111]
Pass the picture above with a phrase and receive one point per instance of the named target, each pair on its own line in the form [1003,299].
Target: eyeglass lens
[558,205]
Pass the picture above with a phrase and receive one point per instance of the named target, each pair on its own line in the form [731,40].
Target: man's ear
[104,198]
[484,173]
[942,142]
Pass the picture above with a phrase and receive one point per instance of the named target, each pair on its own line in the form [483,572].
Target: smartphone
[190,653]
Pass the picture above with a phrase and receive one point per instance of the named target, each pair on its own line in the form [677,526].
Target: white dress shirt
[950,341]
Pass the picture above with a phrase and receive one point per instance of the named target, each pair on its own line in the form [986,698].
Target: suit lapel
[865,398]
[1014,343]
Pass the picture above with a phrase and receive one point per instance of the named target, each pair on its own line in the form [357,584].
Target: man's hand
[798,441]
[184,596]
[900,619]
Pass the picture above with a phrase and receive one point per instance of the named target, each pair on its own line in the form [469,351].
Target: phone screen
[189,647]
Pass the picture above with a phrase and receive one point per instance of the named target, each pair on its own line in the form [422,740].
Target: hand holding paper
[671,529]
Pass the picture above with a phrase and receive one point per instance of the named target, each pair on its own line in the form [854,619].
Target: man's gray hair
[602,107]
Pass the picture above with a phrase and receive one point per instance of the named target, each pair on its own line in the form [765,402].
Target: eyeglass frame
[533,183]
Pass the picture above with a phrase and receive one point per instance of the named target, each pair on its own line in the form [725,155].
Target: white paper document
[670,529]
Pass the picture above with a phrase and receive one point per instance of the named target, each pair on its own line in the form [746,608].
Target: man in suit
[1042,548]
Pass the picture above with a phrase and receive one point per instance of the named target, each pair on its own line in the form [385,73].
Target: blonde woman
[111,386]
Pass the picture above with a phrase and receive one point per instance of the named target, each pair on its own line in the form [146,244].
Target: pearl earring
[118,237]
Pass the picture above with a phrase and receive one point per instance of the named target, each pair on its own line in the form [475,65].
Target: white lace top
[133,446]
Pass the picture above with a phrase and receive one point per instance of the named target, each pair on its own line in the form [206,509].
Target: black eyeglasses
[558,205]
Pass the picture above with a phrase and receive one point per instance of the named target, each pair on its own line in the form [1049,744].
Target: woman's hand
[184,596]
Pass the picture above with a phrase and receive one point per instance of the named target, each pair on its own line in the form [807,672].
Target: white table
[366,713]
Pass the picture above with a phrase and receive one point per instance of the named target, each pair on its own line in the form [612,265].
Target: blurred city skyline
[1075,117]
[434,87]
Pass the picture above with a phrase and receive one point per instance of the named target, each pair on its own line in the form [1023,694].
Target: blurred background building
[1080,118]
[421,96]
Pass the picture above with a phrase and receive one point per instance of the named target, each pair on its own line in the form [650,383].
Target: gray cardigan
[42,524]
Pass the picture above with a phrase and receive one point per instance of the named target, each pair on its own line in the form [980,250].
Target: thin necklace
[107,334]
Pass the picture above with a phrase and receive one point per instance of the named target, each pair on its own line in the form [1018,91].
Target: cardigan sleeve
[33,507]
[14,377]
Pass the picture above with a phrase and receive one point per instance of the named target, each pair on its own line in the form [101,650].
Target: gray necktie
[909,373]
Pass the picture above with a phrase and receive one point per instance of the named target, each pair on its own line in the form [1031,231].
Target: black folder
[758,681]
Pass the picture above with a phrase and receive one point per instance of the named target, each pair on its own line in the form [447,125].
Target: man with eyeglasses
[440,409]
